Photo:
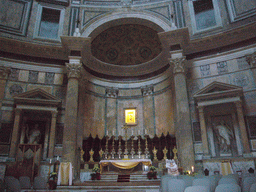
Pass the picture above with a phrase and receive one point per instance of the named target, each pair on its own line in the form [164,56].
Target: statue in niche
[224,136]
[33,135]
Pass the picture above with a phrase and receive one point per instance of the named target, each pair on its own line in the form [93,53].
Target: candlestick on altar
[165,151]
[119,147]
[155,157]
[91,156]
[101,153]
[146,145]
[132,150]
[175,153]
[126,127]
[139,149]
[113,148]
[106,148]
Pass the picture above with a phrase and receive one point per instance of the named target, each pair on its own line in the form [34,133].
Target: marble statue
[33,135]
[224,136]
[172,167]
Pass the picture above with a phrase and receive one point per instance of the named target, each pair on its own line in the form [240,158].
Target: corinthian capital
[73,70]
[178,64]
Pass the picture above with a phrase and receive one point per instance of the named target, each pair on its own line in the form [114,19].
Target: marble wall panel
[244,7]
[164,84]
[58,79]
[250,102]
[60,92]
[242,63]
[41,77]
[148,111]
[232,65]
[94,118]
[95,89]
[129,92]
[164,114]
[111,116]
[17,12]
[23,75]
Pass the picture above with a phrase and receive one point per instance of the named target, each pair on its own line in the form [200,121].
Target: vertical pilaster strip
[15,133]
[71,110]
[243,131]
[52,134]
[183,129]
[203,131]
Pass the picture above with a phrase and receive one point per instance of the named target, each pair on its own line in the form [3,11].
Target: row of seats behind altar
[12,184]
[212,183]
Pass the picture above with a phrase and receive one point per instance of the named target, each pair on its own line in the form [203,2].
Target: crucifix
[125,127]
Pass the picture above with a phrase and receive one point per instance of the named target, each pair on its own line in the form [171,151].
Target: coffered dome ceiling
[126,45]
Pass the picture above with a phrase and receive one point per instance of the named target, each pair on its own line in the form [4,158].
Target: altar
[124,164]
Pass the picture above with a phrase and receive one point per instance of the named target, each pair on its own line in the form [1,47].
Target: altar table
[124,164]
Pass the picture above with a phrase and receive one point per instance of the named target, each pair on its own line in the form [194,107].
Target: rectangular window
[49,26]
[204,14]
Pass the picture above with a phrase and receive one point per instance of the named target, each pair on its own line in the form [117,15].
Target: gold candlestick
[155,151]
[91,156]
[175,153]
[82,155]
[165,152]
[101,153]
[146,147]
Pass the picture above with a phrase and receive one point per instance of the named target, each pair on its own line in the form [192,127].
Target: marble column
[242,126]
[52,135]
[203,131]
[15,133]
[71,109]
[183,131]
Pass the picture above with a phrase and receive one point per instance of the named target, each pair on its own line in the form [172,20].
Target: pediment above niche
[217,90]
[37,97]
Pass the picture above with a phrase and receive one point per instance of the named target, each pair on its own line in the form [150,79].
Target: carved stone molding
[178,64]
[251,59]
[74,70]
[111,92]
[148,90]
[4,72]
